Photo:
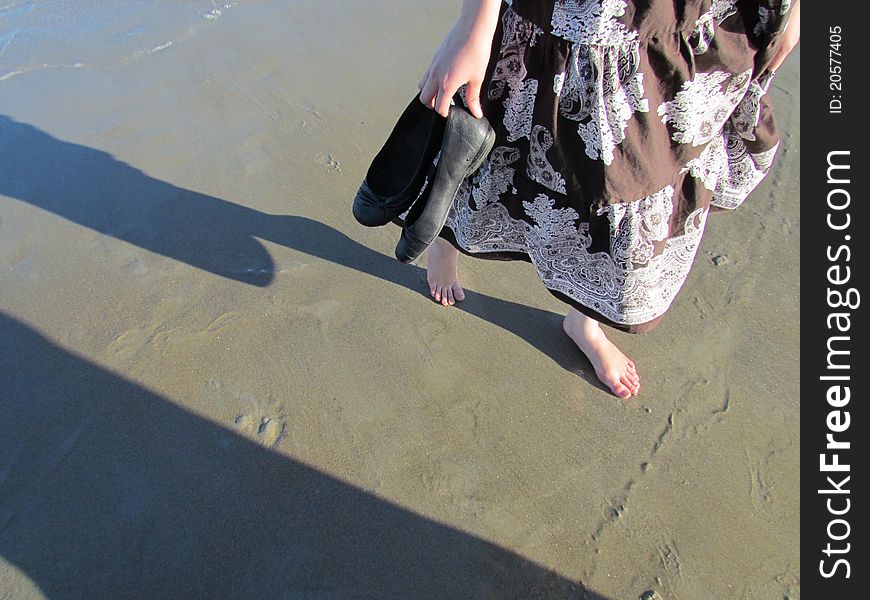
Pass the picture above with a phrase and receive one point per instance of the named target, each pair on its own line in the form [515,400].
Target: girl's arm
[790,37]
[462,58]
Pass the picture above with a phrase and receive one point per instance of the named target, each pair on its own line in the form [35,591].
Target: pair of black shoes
[396,178]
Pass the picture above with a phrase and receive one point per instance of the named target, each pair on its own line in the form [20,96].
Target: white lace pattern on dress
[726,166]
[701,107]
[633,283]
[705,27]
[602,88]
[539,168]
[590,22]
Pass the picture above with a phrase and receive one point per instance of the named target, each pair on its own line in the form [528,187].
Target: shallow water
[55,34]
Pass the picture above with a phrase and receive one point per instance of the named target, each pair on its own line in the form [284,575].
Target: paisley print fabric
[619,125]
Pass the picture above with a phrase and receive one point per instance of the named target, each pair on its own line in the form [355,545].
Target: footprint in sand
[253,153]
[326,161]
[266,431]
[128,344]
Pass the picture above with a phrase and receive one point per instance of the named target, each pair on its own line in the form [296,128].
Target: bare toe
[628,383]
[612,367]
[621,391]
[441,273]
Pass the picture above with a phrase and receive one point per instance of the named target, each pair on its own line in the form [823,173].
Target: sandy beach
[214,383]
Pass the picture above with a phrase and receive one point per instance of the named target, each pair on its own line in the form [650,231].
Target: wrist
[479,19]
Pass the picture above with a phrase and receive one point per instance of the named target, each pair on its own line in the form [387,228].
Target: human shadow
[93,189]
[108,490]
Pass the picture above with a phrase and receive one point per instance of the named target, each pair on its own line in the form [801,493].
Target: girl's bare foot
[442,261]
[612,367]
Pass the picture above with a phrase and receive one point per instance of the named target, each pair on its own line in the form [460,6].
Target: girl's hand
[461,59]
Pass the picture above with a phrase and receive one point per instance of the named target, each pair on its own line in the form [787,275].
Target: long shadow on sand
[93,189]
[108,490]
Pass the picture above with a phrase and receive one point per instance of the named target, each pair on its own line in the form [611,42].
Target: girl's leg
[442,261]
[613,368]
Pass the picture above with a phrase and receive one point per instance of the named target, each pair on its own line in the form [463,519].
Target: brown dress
[619,124]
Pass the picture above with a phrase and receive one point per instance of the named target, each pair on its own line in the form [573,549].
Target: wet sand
[217,384]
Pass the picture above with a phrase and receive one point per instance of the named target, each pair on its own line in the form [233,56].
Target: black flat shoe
[467,143]
[397,173]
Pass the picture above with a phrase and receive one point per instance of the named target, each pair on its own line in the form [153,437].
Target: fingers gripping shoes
[397,173]
[466,144]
